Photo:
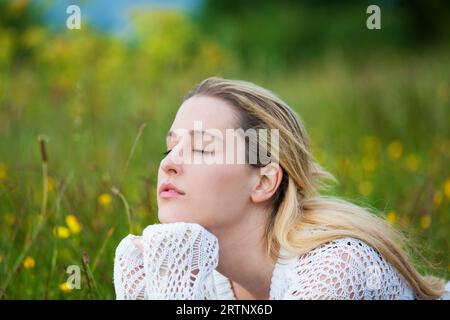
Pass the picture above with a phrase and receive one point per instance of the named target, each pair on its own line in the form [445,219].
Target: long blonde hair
[301,218]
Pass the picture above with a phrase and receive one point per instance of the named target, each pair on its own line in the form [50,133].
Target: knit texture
[178,261]
[175,263]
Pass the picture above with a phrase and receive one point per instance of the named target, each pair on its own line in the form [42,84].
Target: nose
[169,166]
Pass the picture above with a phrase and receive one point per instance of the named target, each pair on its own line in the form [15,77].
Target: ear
[268,182]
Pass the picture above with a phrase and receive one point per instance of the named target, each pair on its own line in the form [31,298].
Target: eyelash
[202,151]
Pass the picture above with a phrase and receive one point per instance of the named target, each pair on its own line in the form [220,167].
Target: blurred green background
[375,103]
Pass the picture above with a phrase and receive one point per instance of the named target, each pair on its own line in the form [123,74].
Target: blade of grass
[89,277]
[102,249]
[133,148]
[55,238]
[117,192]
[41,219]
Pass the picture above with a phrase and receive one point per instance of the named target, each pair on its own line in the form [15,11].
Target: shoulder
[349,250]
[345,255]
[345,268]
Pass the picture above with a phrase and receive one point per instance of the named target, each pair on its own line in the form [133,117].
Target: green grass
[381,125]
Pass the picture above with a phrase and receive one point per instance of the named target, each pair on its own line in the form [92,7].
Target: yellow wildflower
[62,232]
[391,217]
[447,188]
[395,149]
[1,258]
[73,224]
[29,263]
[3,171]
[369,164]
[365,188]
[412,162]
[64,287]
[104,199]
[425,221]
[437,198]
[50,184]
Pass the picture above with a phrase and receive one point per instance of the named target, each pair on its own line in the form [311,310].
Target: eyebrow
[191,132]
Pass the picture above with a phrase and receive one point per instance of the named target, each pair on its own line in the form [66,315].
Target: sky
[109,15]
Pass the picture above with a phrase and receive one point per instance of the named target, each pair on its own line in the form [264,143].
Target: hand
[178,258]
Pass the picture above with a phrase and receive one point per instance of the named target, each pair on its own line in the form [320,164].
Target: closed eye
[195,150]
[202,151]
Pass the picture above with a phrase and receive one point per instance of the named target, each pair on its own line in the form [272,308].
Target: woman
[257,230]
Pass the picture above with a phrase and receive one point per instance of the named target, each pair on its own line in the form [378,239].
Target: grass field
[103,107]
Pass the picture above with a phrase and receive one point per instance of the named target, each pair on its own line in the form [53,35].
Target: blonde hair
[301,219]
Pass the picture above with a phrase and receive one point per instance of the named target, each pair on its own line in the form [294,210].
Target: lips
[169,190]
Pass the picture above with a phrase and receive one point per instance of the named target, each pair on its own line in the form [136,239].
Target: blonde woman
[258,230]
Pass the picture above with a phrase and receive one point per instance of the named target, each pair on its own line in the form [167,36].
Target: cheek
[215,195]
[221,181]
[222,193]
[226,181]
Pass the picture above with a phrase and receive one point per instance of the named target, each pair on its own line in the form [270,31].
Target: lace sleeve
[345,269]
[129,271]
[174,262]
[178,258]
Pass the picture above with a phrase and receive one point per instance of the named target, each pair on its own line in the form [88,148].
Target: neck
[243,258]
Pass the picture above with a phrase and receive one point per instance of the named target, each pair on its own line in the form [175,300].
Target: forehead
[213,113]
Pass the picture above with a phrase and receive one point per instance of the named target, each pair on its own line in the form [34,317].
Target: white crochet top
[178,261]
